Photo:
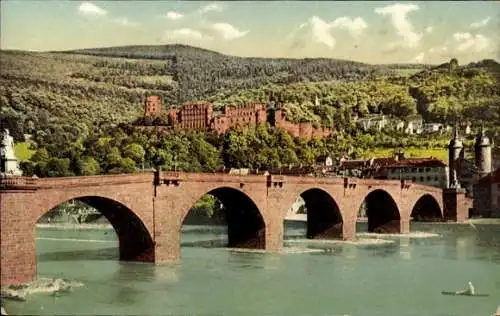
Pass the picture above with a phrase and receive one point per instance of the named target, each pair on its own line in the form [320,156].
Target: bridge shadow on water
[109,253]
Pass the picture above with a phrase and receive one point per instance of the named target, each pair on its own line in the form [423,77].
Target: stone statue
[7,149]
[8,161]
[454,183]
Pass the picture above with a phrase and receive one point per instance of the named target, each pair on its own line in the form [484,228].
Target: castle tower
[482,154]
[152,105]
[455,152]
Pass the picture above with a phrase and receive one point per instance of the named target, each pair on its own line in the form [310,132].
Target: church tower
[455,152]
[482,154]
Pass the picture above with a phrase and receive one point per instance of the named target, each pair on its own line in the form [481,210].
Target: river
[378,275]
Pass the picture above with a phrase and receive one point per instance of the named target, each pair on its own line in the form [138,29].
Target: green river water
[402,277]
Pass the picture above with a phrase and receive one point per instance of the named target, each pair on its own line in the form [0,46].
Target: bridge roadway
[147,210]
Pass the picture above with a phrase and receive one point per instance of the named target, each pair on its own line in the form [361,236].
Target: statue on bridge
[8,160]
[454,183]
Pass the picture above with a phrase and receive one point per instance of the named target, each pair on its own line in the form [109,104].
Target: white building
[414,126]
[432,127]
[378,122]
[428,171]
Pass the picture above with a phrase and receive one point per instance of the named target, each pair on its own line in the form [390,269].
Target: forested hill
[62,95]
[201,72]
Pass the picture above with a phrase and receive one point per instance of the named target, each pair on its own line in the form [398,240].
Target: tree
[58,167]
[89,167]
[135,152]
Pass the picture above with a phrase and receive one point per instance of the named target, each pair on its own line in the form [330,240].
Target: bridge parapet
[171,176]
[94,181]
[18,183]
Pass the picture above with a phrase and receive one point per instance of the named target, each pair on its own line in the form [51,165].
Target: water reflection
[404,249]
[246,260]
[167,274]
[126,295]
[128,271]
[461,245]
[110,253]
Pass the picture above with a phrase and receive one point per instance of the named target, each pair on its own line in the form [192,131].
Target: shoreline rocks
[54,286]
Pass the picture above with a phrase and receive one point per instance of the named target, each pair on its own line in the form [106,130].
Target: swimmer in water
[470,290]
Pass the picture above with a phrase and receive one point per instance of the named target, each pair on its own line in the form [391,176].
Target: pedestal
[455,205]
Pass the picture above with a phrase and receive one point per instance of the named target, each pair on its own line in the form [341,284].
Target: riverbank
[75,226]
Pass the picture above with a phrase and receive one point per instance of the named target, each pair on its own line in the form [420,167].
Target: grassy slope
[22,151]
[440,153]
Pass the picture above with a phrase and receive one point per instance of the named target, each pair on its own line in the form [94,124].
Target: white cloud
[320,30]
[439,49]
[317,29]
[429,29]
[399,18]
[172,15]
[467,41]
[419,58]
[355,26]
[482,23]
[90,9]
[228,31]
[184,34]
[125,22]
[211,7]
[461,36]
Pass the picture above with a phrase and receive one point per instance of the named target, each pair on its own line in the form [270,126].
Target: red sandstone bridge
[147,210]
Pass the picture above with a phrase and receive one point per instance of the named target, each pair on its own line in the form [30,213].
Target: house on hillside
[375,122]
[414,125]
[432,128]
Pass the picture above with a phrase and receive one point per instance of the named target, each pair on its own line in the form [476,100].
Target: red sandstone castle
[201,116]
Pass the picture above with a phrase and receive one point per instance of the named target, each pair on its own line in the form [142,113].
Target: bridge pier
[274,235]
[17,237]
[456,205]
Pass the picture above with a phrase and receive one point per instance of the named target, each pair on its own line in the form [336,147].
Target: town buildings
[428,171]
[200,116]
[487,195]
[487,186]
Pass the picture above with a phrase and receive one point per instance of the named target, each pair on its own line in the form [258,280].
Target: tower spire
[455,132]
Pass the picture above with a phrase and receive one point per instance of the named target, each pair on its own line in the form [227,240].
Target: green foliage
[75,103]
[23,151]
[205,205]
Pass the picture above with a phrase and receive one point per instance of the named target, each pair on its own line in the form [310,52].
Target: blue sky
[373,32]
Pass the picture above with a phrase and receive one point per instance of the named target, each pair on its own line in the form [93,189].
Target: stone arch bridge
[147,210]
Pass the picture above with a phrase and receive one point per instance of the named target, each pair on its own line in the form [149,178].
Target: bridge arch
[324,218]
[135,241]
[427,208]
[245,222]
[382,212]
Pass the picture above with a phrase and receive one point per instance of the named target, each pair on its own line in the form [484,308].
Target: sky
[372,32]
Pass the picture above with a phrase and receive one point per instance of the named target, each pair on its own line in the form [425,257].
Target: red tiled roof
[383,162]
[418,162]
[352,164]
